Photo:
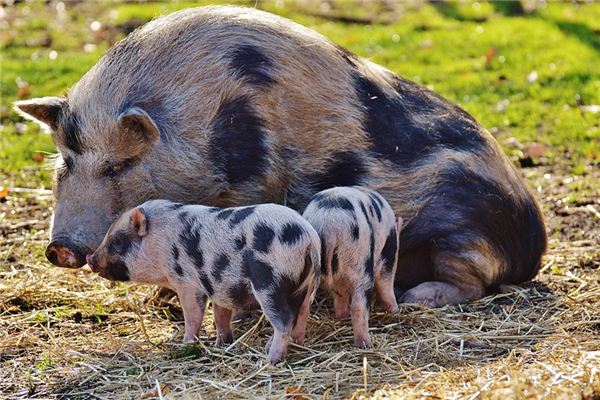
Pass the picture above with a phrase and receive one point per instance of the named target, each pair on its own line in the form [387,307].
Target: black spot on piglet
[291,233]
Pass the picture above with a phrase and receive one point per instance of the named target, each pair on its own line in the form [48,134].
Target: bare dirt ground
[71,334]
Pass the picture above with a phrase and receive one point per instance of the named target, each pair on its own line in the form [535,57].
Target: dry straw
[71,334]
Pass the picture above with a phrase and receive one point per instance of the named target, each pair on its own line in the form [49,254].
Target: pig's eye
[65,168]
[116,169]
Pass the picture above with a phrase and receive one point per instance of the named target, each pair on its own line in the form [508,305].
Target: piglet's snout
[90,261]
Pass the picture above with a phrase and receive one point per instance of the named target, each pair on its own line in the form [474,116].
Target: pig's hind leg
[299,330]
[193,303]
[279,313]
[359,308]
[222,318]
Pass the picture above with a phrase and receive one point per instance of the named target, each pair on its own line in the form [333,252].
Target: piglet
[359,247]
[266,254]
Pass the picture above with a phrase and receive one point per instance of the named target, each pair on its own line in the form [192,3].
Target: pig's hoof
[299,340]
[189,340]
[223,340]
[362,342]
[391,308]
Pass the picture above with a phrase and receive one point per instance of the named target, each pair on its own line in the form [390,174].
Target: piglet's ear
[136,134]
[137,221]
[43,110]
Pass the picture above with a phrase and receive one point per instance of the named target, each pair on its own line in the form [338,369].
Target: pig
[237,257]
[359,252]
[230,106]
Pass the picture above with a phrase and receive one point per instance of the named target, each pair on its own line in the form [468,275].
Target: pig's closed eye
[65,168]
[116,169]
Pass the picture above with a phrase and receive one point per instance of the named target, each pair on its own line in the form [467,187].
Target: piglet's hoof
[363,342]
[223,340]
[189,339]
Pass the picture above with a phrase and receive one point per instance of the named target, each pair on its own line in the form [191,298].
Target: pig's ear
[136,132]
[43,110]
[137,221]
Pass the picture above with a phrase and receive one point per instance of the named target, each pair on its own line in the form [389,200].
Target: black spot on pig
[238,142]
[388,253]
[70,126]
[329,202]
[241,295]
[468,207]
[224,214]
[220,265]
[240,215]
[354,230]
[121,243]
[411,124]
[375,205]
[345,169]
[240,242]
[323,256]
[206,283]
[176,206]
[370,262]
[291,233]
[263,237]
[190,238]
[252,64]
[175,255]
[259,272]
[335,263]
[287,300]
[368,296]
[116,271]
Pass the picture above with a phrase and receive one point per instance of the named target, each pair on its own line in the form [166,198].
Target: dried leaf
[490,54]
[153,393]
[38,157]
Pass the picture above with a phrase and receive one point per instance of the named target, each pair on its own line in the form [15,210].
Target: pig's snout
[66,254]
[90,261]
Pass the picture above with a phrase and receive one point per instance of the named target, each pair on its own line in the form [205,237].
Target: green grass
[441,45]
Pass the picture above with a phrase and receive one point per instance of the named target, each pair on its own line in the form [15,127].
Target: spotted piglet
[235,256]
[359,249]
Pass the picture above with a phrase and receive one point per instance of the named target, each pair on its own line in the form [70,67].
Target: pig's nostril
[52,256]
[64,253]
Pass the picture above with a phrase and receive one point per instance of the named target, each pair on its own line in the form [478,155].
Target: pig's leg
[341,304]
[299,330]
[384,287]
[193,304]
[222,317]
[359,308]
[439,294]
[341,297]
[281,317]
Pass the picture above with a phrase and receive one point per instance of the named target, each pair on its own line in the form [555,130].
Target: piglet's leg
[299,330]
[359,308]
[222,317]
[384,287]
[341,298]
[193,304]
